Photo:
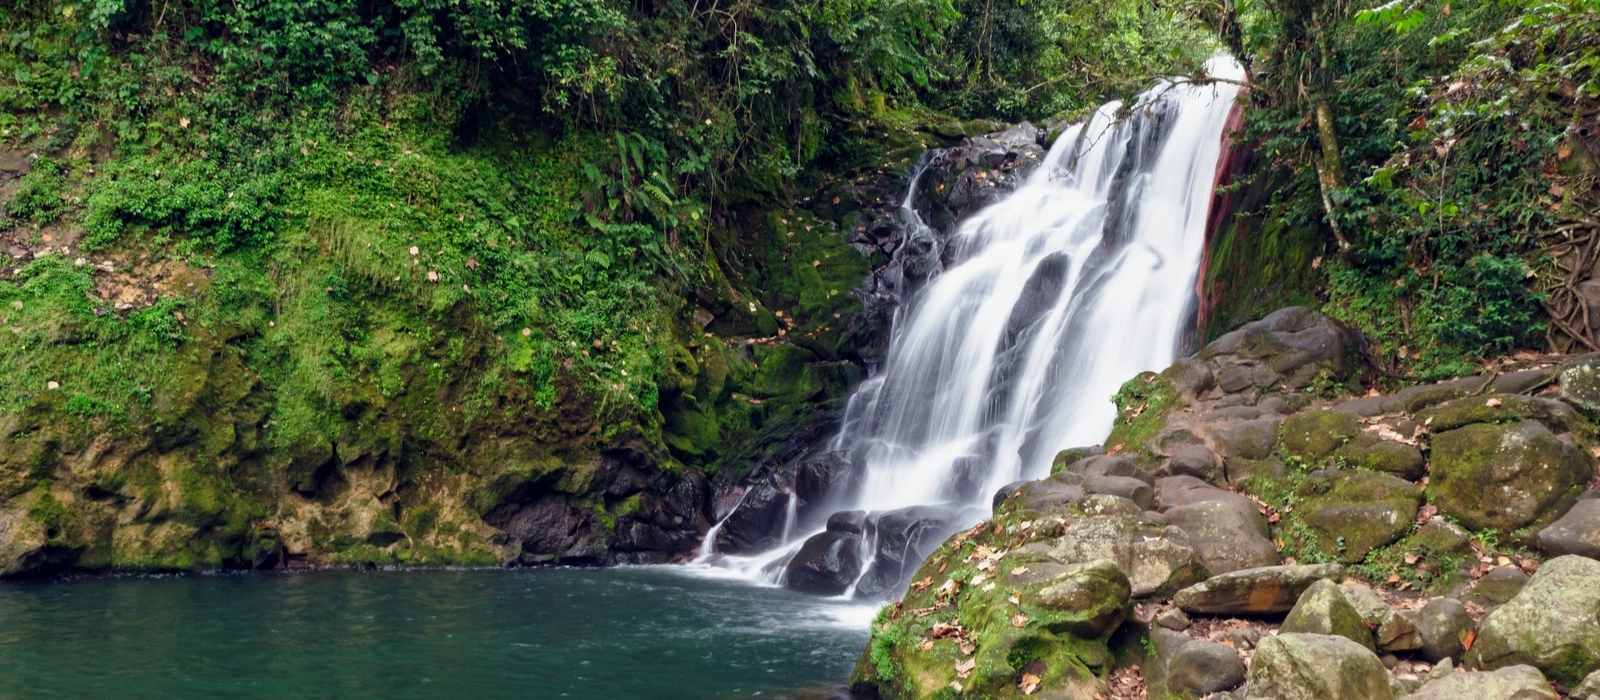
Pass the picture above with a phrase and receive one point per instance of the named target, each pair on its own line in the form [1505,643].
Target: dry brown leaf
[922,585]
[927,645]
[1019,620]
[1491,403]
[968,647]
[965,666]
[1019,571]
[1029,684]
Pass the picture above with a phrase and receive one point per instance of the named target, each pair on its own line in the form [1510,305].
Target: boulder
[1270,589]
[21,542]
[1522,382]
[1226,535]
[1125,486]
[1088,600]
[1252,439]
[1190,376]
[1177,491]
[1394,631]
[1161,567]
[1295,343]
[1505,476]
[756,523]
[1370,452]
[1324,609]
[1501,408]
[1204,668]
[1442,536]
[1358,510]
[1580,385]
[1499,585]
[1313,435]
[853,522]
[826,564]
[1577,532]
[1110,465]
[905,537]
[1589,689]
[1197,461]
[1315,667]
[1509,683]
[1553,624]
[1443,625]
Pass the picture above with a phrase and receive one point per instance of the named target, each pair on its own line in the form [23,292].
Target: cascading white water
[1076,282]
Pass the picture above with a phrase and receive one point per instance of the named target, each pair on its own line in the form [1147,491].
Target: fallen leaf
[1019,571]
[953,684]
[965,666]
[1411,558]
[927,645]
[1029,684]
[922,585]
[1019,620]
[1015,598]
[1491,403]
[1394,578]
[1467,640]
[1557,190]
[968,647]
[943,564]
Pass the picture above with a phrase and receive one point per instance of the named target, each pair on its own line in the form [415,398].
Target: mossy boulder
[1504,408]
[1370,452]
[1324,609]
[1505,476]
[1553,624]
[1354,512]
[1313,435]
[1580,385]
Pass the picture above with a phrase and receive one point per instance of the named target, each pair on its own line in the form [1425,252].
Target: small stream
[656,633]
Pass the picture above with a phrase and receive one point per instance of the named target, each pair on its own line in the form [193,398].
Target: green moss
[1142,407]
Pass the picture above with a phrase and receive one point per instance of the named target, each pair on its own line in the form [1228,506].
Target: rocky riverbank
[1251,529]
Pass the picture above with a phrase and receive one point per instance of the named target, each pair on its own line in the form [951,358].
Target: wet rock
[1577,532]
[826,564]
[1499,585]
[1360,510]
[1509,683]
[1197,461]
[967,477]
[1227,537]
[1503,477]
[756,523]
[1552,624]
[1204,668]
[1324,609]
[1443,625]
[905,537]
[1313,435]
[850,522]
[1269,589]
[1295,343]
[1315,667]
[1251,439]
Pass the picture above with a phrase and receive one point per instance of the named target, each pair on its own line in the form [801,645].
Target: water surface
[649,632]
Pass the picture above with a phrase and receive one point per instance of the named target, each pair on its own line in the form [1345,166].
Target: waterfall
[1079,280]
[1076,282]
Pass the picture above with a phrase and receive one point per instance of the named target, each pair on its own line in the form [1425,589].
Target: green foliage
[40,194]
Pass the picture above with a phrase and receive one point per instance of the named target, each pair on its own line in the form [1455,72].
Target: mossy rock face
[1373,453]
[1505,408]
[1312,435]
[1324,609]
[1552,624]
[1580,386]
[1315,667]
[1355,512]
[1504,477]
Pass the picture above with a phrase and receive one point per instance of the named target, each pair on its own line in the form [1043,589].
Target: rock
[905,537]
[1204,668]
[1241,638]
[1315,667]
[1161,567]
[1313,435]
[826,564]
[1395,631]
[1090,599]
[1270,589]
[1553,624]
[1295,343]
[756,523]
[1580,385]
[1127,487]
[1589,689]
[1368,451]
[1522,382]
[817,478]
[21,542]
[1252,439]
[1110,465]
[853,522]
[1227,537]
[1370,406]
[1416,398]
[1253,473]
[1074,454]
[1177,491]
[1504,408]
[1503,477]
[1057,492]
[1443,624]
[1359,510]
[1510,683]
[1577,532]
[1499,585]
[1190,376]
[1197,461]
[1398,632]
[1442,536]
[1173,619]
[1323,609]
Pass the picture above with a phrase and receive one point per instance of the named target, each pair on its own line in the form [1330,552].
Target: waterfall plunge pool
[647,633]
